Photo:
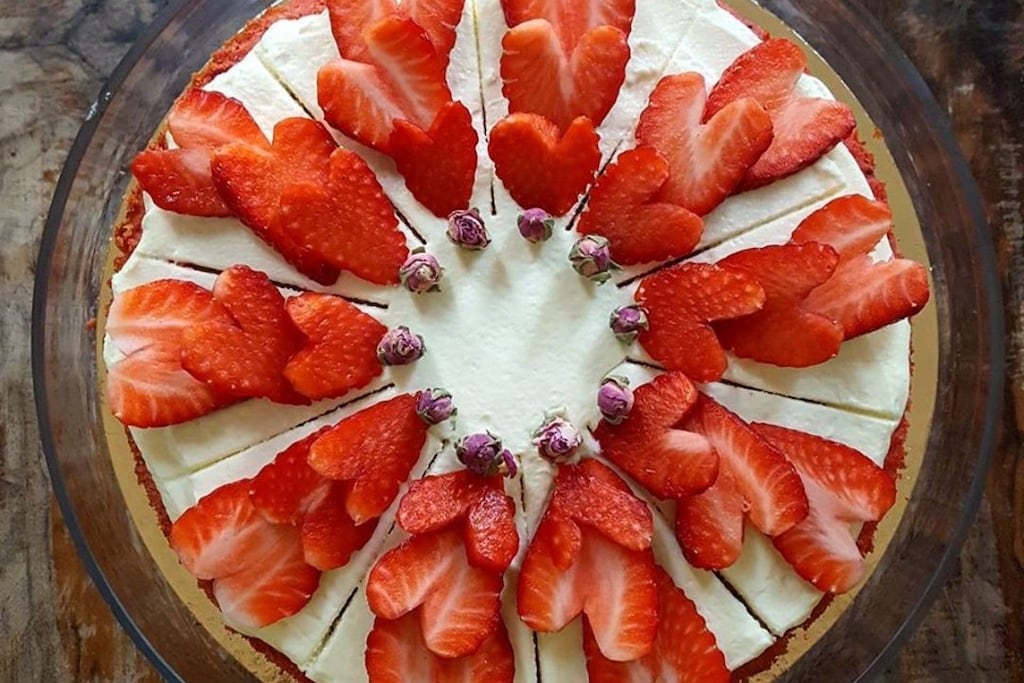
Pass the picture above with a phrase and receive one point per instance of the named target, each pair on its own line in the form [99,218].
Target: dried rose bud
[484,454]
[467,229]
[434,406]
[627,321]
[591,257]
[615,399]
[557,439]
[535,225]
[421,272]
[400,346]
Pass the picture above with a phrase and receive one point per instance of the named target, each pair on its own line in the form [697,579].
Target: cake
[512,340]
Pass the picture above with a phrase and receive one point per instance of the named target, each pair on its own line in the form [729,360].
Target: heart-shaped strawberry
[649,446]
[373,449]
[244,356]
[785,332]
[477,503]
[459,604]
[348,222]
[540,167]
[340,350]
[680,302]
[251,180]
[439,165]
[541,77]
[555,586]
[622,208]
[707,162]
[805,127]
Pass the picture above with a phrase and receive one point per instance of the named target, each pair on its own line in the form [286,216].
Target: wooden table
[54,56]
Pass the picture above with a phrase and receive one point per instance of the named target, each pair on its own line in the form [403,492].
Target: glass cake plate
[957,381]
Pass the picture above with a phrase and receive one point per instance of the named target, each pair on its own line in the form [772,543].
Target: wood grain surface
[54,57]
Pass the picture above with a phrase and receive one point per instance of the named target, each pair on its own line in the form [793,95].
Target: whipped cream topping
[515,333]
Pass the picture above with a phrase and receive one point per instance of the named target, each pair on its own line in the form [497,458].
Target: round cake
[512,340]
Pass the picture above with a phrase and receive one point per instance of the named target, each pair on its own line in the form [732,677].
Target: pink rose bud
[535,225]
[421,272]
[434,406]
[484,454]
[557,440]
[615,399]
[592,258]
[467,230]
[400,346]
[627,321]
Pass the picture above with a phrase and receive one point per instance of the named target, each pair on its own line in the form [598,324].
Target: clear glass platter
[967,346]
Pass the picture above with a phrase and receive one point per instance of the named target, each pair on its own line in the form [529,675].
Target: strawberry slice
[805,128]
[373,449]
[685,651]
[478,504]
[207,120]
[852,225]
[709,525]
[615,587]
[340,353]
[159,312]
[346,221]
[785,332]
[244,356]
[622,208]
[349,18]
[540,167]
[329,534]
[758,481]
[681,301]
[572,19]
[459,605]
[541,76]
[439,165]
[359,101]
[287,488]
[150,388]
[668,462]
[708,161]
[251,180]
[405,79]
[843,487]
[258,572]
[396,653]
[200,122]
[862,296]
[179,180]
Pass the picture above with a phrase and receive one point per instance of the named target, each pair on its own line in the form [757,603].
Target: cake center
[514,334]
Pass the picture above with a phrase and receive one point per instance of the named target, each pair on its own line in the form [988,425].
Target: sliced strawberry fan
[593,533]
[843,488]
[623,208]
[708,156]
[350,18]
[806,128]
[450,572]
[755,482]
[682,302]
[150,387]
[862,295]
[649,446]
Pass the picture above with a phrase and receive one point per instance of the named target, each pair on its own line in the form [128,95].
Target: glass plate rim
[930,111]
